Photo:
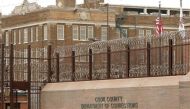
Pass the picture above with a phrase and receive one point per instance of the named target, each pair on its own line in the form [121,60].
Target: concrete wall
[142,93]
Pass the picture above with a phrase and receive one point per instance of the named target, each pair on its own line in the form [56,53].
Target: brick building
[57,26]
[0,29]
[69,24]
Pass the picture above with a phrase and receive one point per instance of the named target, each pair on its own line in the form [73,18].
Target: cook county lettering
[112,102]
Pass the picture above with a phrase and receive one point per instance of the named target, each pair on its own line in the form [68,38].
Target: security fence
[22,68]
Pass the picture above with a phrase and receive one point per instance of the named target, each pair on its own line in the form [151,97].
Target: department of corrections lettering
[112,102]
[91,106]
[111,105]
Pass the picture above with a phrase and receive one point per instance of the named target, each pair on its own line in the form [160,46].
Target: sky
[6,6]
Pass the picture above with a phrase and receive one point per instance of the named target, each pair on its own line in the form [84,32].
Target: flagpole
[181,28]
[159,15]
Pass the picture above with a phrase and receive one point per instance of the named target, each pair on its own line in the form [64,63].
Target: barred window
[60,32]
[45,52]
[82,32]
[31,34]
[15,36]
[148,32]
[141,33]
[104,33]
[45,31]
[26,35]
[25,55]
[125,33]
[90,32]
[36,38]
[7,38]
[75,32]
[19,36]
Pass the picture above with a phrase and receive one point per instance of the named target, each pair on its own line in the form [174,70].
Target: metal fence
[148,56]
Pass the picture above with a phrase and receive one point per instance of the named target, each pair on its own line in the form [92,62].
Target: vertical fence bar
[170,56]
[181,58]
[29,76]
[73,66]
[108,62]
[148,59]
[127,61]
[90,64]
[49,63]
[57,67]
[11,76]
[2,74]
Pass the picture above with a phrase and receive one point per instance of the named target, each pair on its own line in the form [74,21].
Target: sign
[110,102]
[21,85]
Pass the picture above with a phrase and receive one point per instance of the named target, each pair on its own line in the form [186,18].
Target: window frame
[104,33]
[25,31]
[45,32]
[141,32]
[75,28]
[83,35]
[62,28]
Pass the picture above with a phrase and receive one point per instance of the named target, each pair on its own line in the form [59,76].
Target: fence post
[148,59]
[108,62]
[11,60]
[29,76]
[2,74]
[57,67]
[127,61]
[170,57]
[73,66]
[90,64]
[49,64]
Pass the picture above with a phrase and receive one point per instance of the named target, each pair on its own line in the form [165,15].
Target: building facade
[68,24]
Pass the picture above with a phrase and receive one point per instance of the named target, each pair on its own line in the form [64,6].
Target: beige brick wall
[147,93]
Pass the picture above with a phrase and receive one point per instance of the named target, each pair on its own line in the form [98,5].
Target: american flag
[181,23]
[159,24]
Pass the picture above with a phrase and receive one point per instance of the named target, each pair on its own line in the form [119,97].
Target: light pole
[107,15]
[107,6]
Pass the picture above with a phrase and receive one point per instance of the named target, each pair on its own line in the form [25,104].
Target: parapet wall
[136,93]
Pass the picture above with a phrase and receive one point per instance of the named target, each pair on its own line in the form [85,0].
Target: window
[20,36]
[60,32]
[124,33]
[45,31]
[31,34]
[141,33]
[36,38]
[26,35]
[82,32]
[14,35]
[104,33]
[25,55]
[148,32]
[7,38]
[90,32]
[45,52]
[75,32]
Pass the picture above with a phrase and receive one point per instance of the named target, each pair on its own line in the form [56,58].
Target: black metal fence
[26,69]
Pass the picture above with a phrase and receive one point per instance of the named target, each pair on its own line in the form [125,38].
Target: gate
[23,74]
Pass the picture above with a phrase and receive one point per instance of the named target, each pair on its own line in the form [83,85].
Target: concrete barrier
[135,93]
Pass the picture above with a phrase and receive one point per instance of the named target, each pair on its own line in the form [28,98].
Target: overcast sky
[6,6]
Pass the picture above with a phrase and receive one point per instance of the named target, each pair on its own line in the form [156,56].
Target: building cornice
[67,22]
[71,22]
